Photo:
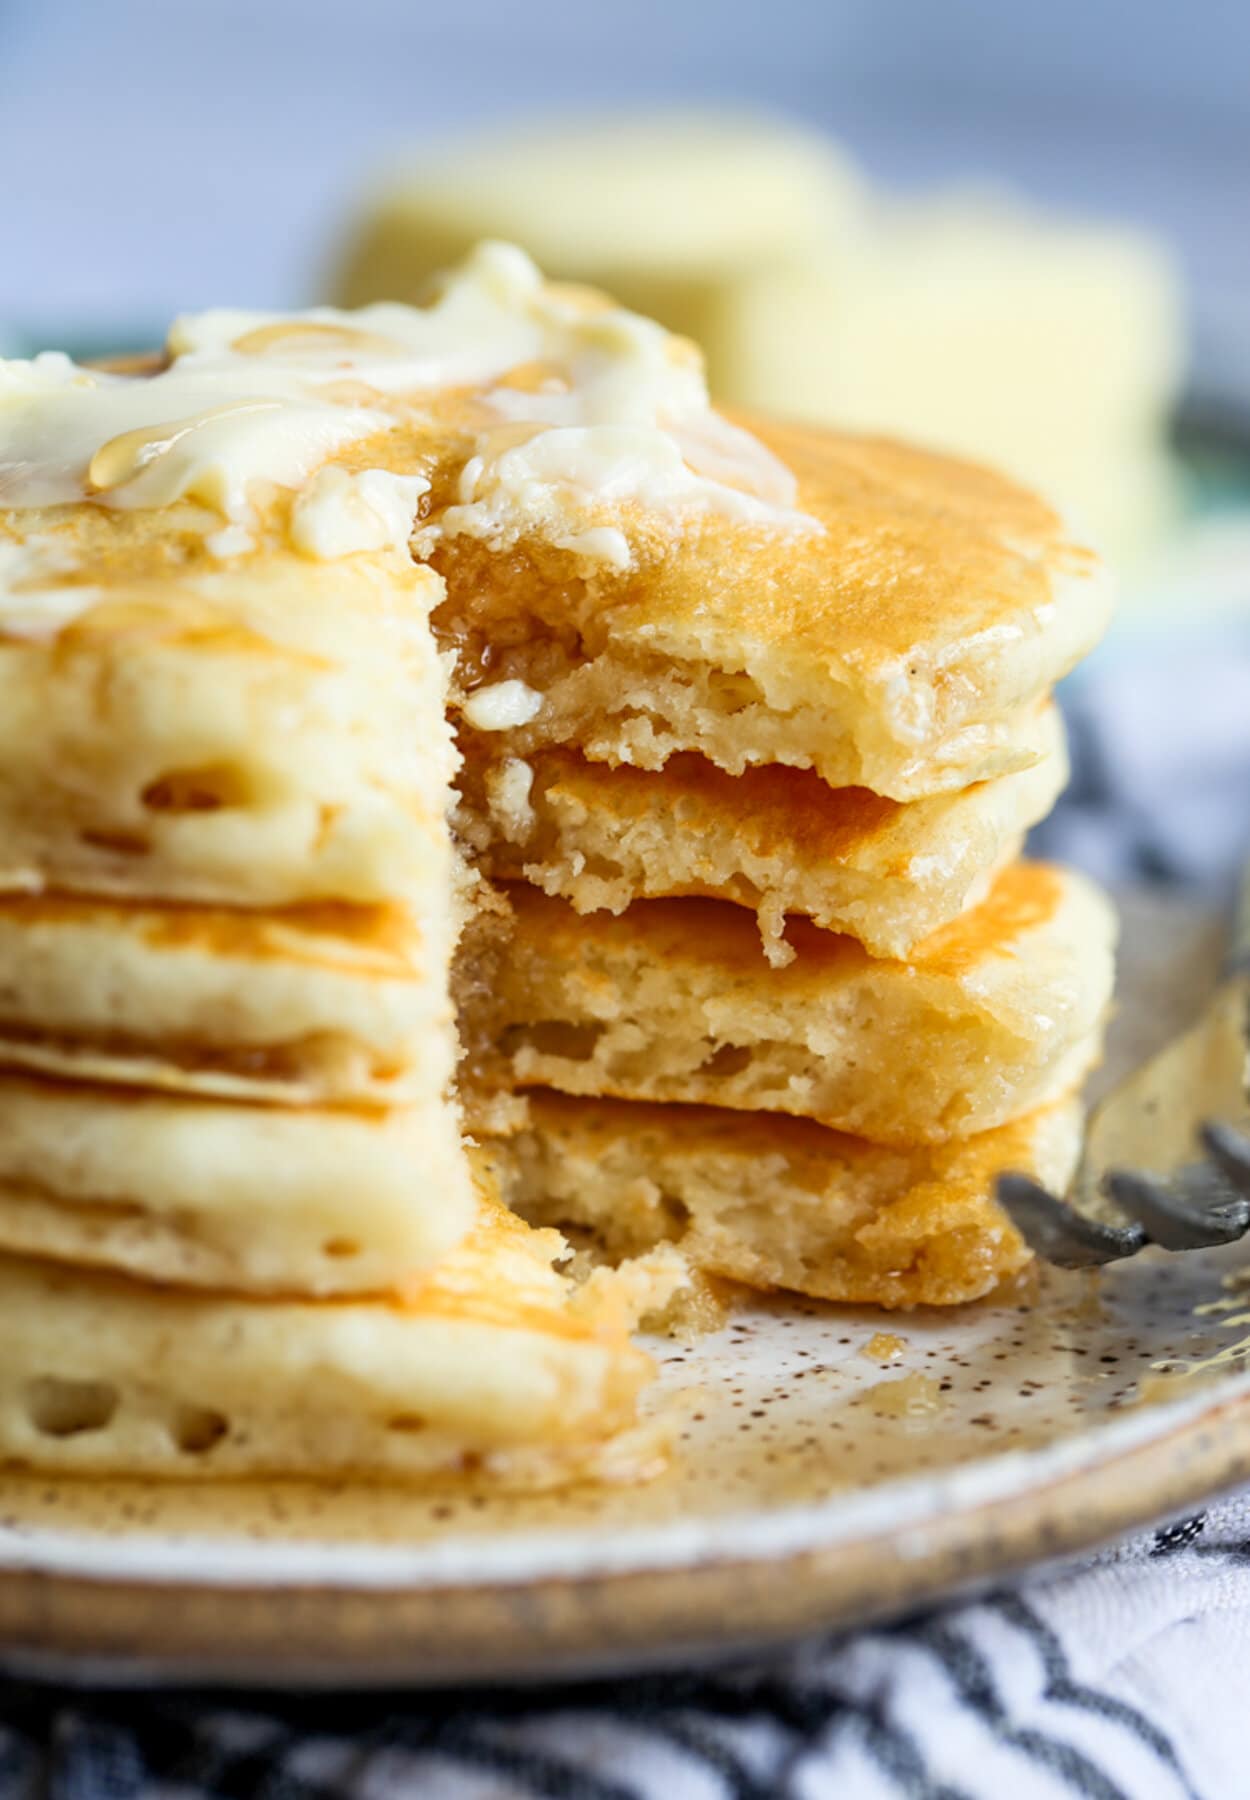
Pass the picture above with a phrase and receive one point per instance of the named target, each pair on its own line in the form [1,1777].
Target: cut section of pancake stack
[778,987]
[751,724]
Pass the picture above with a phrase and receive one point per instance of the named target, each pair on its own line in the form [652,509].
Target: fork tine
[1057,1233]
[1190,1214]
[1230,1150]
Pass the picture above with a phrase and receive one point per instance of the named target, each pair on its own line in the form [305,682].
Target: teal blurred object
[1198,581]
[1218,476]
[125,339]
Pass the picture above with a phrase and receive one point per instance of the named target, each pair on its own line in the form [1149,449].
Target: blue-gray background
[161,153]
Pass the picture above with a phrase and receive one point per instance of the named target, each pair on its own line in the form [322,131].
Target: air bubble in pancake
[60,1408]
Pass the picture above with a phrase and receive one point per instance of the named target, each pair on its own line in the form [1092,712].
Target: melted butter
[145,441]
[630,423]
[502,706]
[202,427]
[303,335]
[581,404]
[120,459]
[231,540]
[532,486]
[35,607]
[600,543]
[508,789]
[339,513]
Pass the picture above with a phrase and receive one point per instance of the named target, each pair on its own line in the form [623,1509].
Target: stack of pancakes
[239,1230]
[777,986]
[750,724]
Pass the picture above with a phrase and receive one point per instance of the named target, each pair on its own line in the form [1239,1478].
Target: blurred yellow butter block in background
[1052,347]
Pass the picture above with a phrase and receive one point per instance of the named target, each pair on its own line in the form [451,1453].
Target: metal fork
[1139,1181]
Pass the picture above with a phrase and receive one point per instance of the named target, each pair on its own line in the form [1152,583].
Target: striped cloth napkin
[1125,1679]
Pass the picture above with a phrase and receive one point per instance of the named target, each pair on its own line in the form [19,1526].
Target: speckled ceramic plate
[836,1465]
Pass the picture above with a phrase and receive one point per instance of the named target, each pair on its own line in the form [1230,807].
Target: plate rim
[554,1552]
[122,1629]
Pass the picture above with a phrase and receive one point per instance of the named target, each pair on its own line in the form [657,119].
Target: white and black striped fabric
[1126,1679]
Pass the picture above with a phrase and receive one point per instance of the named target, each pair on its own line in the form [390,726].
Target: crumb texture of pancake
[894,648]
[485,1366]
[783,1203]
[991,1017]
[775,839]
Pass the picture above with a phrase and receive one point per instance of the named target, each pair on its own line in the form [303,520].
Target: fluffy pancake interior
[778,840]
[782,1202]
[991,1017]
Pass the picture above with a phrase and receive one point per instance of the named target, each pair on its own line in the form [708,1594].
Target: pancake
[487,1365]
[215,676]
[990,1018]
[783,1203]
[176,730]
[256,1198]
[893,644]
[240,586]
[315,1005]
[774,839]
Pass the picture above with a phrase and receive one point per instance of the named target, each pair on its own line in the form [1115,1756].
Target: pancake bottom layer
[782,1203]
[487,1365]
